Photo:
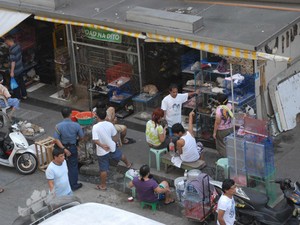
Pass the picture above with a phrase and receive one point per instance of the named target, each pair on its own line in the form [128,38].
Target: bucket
[179,186]
[193,174]
[73,115]
[85,118]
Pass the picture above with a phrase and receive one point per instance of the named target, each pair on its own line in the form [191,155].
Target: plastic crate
[189,58]
[259,158]
[119,70]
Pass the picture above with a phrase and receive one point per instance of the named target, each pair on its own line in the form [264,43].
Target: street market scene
[129,112]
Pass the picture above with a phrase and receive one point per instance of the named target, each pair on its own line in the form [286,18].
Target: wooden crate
[44,150]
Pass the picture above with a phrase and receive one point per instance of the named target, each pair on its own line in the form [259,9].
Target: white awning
[10,19]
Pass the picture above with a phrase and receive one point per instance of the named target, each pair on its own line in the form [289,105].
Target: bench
[166,160]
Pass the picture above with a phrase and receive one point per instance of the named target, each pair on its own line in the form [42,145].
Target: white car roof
[97,214]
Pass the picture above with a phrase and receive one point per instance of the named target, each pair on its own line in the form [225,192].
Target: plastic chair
[128,176]
[153,205]
[157,153]
[223,163]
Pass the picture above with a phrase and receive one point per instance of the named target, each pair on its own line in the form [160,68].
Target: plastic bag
[13,83]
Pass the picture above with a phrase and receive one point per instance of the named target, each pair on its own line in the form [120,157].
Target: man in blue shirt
[66,135]
[16,67]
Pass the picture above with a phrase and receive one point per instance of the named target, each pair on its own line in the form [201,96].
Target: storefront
[94,58]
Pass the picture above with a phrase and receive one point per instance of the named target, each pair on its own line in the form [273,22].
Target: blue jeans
[72,163]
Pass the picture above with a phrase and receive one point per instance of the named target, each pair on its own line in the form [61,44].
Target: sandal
[130,166]
[100,188]
[1,190]
[128,141]
[170,202]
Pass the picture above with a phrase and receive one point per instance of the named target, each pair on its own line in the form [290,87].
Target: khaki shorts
[120,128]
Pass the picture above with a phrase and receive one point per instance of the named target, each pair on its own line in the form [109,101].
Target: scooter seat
[256,198]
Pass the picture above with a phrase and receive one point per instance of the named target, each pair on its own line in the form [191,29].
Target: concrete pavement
[19,188]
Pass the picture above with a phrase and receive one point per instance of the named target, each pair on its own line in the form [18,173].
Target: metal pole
[90,88]
[233,121]
[139,63]
[72,54]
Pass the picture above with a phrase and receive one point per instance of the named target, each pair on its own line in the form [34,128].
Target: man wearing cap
[66,135]
[12,102]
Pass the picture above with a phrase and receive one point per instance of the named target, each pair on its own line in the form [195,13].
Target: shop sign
[102,35]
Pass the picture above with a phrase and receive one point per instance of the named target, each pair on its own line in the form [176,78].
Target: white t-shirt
[104,131]
[59,174]
[173,106]
[228,205]
[189,150]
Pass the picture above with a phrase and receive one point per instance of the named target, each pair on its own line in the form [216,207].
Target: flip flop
[100,188]
[1,190]
[129,141]
[168,203]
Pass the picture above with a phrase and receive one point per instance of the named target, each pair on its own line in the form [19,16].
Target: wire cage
[198,198]
[257,129]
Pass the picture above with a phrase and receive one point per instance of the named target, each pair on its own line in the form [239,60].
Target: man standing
[186,144]
[226,204]
[16,67]
[105,136]
[57,174]
[172,104]
[66,134]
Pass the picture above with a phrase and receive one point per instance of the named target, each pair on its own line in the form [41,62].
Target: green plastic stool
[127,175]
[153,205]
[223,163]
[157,153]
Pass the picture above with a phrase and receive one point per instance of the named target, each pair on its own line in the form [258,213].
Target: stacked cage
[251,162]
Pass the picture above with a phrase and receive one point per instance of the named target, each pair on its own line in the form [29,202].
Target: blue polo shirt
[67,131]
[15,55]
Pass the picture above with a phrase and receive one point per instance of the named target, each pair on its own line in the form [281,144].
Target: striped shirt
[15,55]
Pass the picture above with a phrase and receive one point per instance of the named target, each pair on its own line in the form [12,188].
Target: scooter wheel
[26,163]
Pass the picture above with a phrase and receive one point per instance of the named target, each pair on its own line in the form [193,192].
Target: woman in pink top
[223,123]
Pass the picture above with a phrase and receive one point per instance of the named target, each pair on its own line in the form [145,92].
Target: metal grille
[99,56]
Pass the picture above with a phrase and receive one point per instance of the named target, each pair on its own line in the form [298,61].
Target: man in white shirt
[57,174]
[172,104]
[186,144]
[105,136]
[226,204]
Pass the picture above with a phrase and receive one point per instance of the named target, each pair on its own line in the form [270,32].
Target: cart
[199,199]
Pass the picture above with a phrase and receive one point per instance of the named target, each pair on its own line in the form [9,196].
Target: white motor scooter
[14,148]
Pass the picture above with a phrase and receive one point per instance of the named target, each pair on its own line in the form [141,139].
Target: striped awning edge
[221,50]
[127,33]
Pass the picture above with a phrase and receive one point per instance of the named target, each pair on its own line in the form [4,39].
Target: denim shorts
[161,196]
[103,161]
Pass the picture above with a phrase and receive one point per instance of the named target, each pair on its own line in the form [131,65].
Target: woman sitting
[148,189]
[155,133]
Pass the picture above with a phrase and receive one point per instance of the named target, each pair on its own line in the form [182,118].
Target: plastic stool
[153,205]
[157,153]
[127,175]
[223,163]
